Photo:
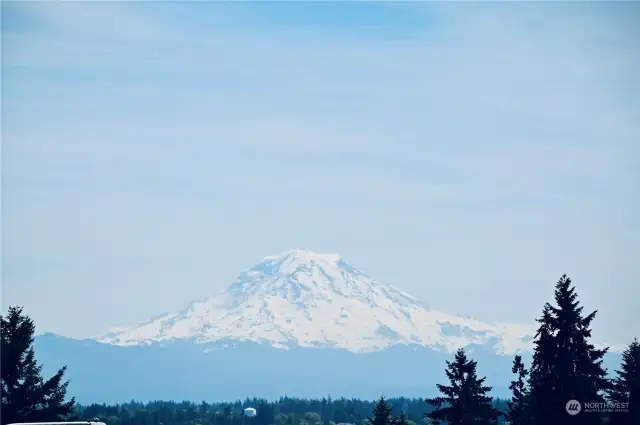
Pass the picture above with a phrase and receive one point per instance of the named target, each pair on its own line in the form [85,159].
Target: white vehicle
[60,423]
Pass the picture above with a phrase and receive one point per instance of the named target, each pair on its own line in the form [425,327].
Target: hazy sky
[467,153]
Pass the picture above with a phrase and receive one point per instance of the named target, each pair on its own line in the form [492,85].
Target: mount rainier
[299,323]
[319,300]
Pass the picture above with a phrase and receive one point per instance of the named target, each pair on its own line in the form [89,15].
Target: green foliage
[401,420]
[465,400]
[287,411]
[312,418]
[26,397]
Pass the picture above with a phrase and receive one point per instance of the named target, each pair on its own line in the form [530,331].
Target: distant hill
[186,371]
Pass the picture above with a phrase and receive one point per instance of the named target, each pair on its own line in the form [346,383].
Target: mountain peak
[299,275]
[293,264]
[305,256]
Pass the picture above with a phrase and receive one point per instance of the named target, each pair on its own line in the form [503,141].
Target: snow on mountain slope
[318,300]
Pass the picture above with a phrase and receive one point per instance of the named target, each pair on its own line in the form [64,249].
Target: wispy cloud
[144,141]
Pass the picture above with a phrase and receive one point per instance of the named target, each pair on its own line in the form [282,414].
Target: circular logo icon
[573,407]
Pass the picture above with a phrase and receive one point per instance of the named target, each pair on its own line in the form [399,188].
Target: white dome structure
[250,412]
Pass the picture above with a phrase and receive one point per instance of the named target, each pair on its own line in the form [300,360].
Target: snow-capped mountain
[261,336]
[307,299]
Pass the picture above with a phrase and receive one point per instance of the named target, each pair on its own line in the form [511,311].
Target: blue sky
[468,153]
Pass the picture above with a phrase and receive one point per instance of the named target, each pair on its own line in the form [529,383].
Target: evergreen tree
[517,413]
[381,413]
[541,374]
[401,420]
[626,386]
[266,414]
[26,397]
[465,401]
[566,366]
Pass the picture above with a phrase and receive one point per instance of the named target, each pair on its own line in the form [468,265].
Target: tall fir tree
[517,411]
[26,397]
[541,374]
[465,400]
[626,386]
[381,413]
[566,366]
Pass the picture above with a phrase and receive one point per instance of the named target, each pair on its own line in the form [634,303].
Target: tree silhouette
[26,397]
[381,413]
[517,413]
[465,400]
[626,386]
[566,366]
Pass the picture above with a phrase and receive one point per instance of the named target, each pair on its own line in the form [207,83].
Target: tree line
[565,383]
[284,411]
